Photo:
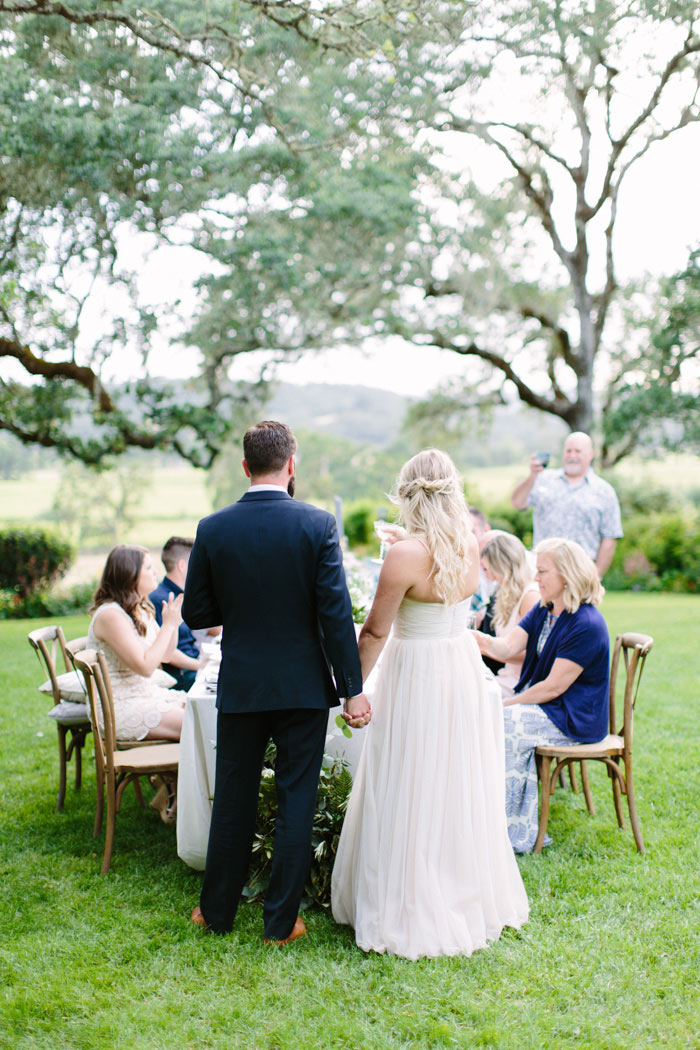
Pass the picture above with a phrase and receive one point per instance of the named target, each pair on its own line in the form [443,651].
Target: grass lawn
[609,958]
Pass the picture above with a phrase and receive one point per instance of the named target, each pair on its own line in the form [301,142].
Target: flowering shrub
[361,587]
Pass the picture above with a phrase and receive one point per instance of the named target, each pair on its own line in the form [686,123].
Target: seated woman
[505,560]
[562,694]
[124,628]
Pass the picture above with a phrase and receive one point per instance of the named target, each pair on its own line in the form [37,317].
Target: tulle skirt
[424,864]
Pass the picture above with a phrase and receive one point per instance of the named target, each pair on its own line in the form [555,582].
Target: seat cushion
[159,757]
[69,713]
[71,686]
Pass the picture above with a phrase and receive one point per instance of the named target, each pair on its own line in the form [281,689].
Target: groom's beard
[291,485]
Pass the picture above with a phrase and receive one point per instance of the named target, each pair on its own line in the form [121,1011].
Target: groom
[270,570]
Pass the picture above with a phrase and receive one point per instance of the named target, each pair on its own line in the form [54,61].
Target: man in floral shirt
[573,502]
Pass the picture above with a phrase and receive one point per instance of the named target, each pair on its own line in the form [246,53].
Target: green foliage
[359,519]
[508,519]
[31,559]
[653,397]
[75,599]
[334,194]
[334,789]
[588,102]
[658,552]
[257,163]
[645,498]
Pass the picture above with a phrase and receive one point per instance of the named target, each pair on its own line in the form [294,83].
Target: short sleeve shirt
[587,512]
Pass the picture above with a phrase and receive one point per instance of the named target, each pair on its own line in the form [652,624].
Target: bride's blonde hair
[432,506]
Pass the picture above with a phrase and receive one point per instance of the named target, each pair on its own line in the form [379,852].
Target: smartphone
[543,458]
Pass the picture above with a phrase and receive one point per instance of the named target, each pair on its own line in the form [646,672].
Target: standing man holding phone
[572,503]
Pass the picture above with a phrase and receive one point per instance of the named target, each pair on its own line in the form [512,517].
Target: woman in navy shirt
[562,694]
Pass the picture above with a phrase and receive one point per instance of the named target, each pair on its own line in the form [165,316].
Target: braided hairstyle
[432,507]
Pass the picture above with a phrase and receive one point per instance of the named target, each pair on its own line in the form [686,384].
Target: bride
[424,866]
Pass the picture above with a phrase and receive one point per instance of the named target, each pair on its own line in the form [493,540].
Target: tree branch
[83,375]
[540,200]
[529,136]
[561,407]
[341,27]
[560,334]
[692,46]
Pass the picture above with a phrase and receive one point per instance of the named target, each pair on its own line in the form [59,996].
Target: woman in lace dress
[124,628]
[505,560]
[424,866]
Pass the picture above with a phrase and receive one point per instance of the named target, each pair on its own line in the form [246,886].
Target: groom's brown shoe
[298,931]
[197,917]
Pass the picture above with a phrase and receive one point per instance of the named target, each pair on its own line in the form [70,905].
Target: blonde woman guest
[562,695]
[505,560]
[124,628]
[424,866]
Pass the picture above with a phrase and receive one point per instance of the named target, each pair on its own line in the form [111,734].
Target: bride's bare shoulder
[409,550]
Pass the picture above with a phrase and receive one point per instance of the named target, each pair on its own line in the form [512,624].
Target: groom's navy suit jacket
[269,569]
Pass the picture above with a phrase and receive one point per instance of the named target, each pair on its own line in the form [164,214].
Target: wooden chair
[118,768]
[615,749]
[73,649]
[69,710]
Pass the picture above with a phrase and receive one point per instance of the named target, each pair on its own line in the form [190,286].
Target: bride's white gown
[424,865]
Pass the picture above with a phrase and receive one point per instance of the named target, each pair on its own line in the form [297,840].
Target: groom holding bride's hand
[269,568]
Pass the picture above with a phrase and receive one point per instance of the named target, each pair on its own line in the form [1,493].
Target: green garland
[333,793]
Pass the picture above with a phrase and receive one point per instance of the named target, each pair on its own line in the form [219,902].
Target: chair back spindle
[47,654]
[68,709]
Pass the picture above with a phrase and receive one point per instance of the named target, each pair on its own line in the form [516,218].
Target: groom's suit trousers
[299,737]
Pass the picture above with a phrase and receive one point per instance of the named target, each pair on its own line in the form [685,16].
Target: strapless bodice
[430,619]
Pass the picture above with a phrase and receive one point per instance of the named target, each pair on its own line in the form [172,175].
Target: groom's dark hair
[267,446]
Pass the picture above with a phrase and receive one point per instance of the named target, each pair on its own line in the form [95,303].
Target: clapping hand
[357,711]
[172,611]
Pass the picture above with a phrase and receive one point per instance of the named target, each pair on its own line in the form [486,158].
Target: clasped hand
[357,712]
